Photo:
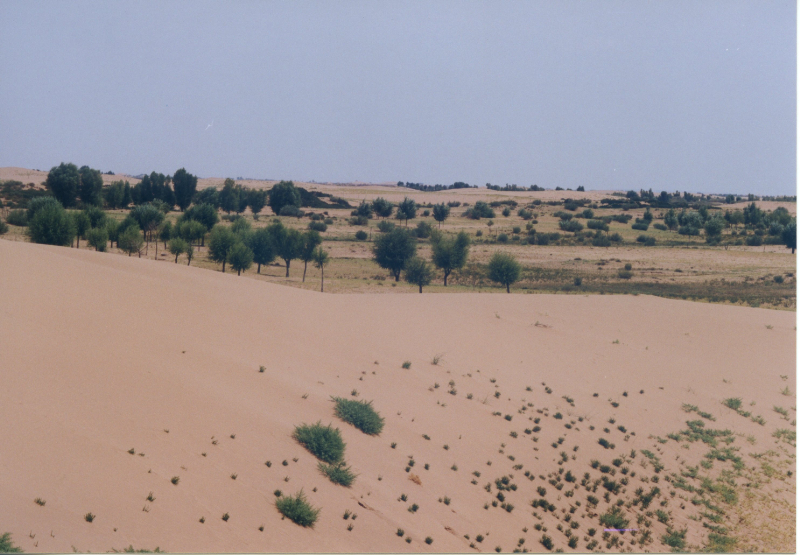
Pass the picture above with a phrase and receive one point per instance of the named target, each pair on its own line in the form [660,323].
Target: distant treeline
[427,188]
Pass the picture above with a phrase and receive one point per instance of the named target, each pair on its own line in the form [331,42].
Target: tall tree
[82,224]
[91,188]
[283,194]
[311,240]
[51,225]
[257,200]
[260,242]
[418,272]
[64,182]
[440,213]
[131,240]
[407,210]
[504,269]
[220,244]
[240,257]
[393,249]
[229,196]
[450,253]
[185,188]
[382,207]
[789,235]
[320,259]
[177,246]
[288,242]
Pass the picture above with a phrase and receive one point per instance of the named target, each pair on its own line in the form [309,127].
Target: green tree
[149,217]
[165,232]
[241,227]
[97,238]
[177,246]
[112,227]
[220,243]
[418,272]
[131,240]
[670,219]
[192,231]
[91,186]
[714,227]
[320,259]
[240,257]
[7,546]
[789,235]
[406,210]
[311,240]
[229,196]
[189,254]
[51,225]
[257,200]
[382,207]
[504,269]
[64,182]
[209,195]
[441,213]
[82,224]
[260,242]
[450,253]
[393,249]
[284,194]
[243,199]
[287,242]
[364,209]
[185,187]
[204,213]
[97,218]
[36,203]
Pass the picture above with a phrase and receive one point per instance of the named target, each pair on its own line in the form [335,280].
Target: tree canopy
[91,186]
[220,243]
[504,269]
[64,181]
[418,272]
[185,187]
[393,249]
[284,194]
[450,253]
[287,242]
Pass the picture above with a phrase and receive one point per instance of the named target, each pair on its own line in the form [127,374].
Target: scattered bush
[361,235]
[297,509]
[338,473]
[324,442]
[19,218]
[318,226]
[360,414]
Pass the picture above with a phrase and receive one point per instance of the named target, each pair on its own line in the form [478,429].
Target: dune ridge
[103,354]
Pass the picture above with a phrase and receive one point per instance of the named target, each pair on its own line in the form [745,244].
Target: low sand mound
[105,354]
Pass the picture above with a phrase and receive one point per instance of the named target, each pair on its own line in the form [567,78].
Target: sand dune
[101,354]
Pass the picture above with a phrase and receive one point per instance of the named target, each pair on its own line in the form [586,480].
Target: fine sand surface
[101,354]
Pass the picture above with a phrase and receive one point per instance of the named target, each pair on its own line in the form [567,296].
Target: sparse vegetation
[297,509]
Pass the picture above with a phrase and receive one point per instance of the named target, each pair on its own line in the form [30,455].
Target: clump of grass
[175,480]
[150,497]
[89,517]
[786,391]
[613,518]
[324,442]
[39,501]
[261,369]
[400,532]
[297,509]
[407,364]
[675,539]
[733,403]
[225,517]
[339,473]
[132,451]
[360,414]
[429,540]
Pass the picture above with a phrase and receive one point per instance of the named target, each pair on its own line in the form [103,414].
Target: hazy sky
[695,95]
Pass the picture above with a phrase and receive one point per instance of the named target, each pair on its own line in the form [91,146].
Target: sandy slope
[101,354]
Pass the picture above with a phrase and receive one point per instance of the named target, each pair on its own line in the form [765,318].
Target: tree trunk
[223,266]
[240,273]
[508,288]
[397,276]
[322,281]
[287,267]
[259,268]
[156,250]
[420,288]
[176,258]
[446,273]
[189,262]
[305,267]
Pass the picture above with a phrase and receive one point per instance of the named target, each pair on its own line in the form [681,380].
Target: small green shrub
[324,442]
[360,414]
[407,364]
[547,542]
[733,403]
[297,509]
[6,545]
[675,539]
[361,235]
[338,473]
[89,517]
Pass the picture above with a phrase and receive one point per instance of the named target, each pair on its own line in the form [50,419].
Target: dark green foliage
[441,212]
[393,249]
[51,225]
[288,243]
[64,181]
[204,213]
[324,442]
[185,185]
[364,209]
[97,238]
[573,226]
[406,210]
[733,403]
[81,224]
[284,194]
[240,257]
[502,238]
[260,242]
[361,235]
[209,196]
[597,224]
[360,414]
[34,206]
[318,226]
[504,269]
[18,217]
[547,542]
[480,210]
[220,243]
[382,207]
[256,200]
[338,473]
[418,272]
[614,518]
[297,509]
[450,253]
[676,539]
[7,546]
[789,235]
[3,228]
[148,217]
[423,230]
[91,186]
[640,226]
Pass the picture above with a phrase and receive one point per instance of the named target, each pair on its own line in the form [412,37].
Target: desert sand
[102,354]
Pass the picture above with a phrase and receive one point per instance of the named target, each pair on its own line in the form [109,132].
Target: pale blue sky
[693,95]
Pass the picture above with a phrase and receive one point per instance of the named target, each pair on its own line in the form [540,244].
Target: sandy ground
[101,354]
